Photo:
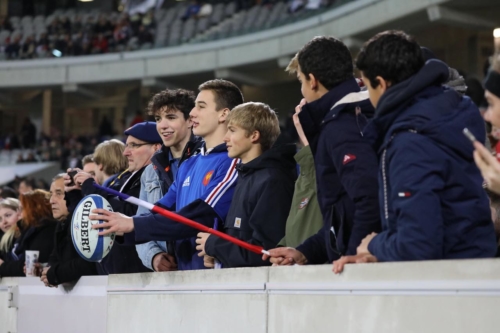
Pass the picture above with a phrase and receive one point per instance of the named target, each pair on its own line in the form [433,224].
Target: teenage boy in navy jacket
[431,196]
[346,165]
[204,185]
[262,198]
[170,108]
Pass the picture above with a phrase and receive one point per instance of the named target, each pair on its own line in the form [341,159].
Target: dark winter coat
[39,238]
[65,263]
[346,172]
[259,208]
[431,196]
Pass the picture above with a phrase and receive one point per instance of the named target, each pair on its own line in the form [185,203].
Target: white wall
[436,296]
[35,308]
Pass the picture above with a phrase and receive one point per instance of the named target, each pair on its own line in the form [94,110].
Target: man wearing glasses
[142,142]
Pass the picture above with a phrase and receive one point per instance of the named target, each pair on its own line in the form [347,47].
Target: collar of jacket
[278,157]
[351,101]
[400,96]
[117,180]
[161,161]
[313,114]
[133,180]
[221,148]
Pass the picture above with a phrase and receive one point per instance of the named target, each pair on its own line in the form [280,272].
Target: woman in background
[37,228]
[10,213]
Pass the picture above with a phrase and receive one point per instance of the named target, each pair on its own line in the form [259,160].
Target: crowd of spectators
[77,36]
[66,149]
[385,173]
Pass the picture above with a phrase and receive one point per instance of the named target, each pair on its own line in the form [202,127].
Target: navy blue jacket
[346,172]
[259,208]
[431,196]
[161,162]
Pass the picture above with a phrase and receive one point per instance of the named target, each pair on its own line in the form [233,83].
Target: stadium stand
[74,33]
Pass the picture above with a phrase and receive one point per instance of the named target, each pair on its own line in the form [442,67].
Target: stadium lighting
[496,33]
[85,0]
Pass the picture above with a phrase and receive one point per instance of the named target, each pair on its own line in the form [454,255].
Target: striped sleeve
[220,188]
[219,191]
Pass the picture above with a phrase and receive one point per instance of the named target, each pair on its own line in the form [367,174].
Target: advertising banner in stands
[141,6]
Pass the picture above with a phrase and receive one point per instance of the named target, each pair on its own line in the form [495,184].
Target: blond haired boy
[262,197]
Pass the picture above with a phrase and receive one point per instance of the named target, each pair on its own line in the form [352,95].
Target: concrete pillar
[4,7]
[47,111]
[118,123]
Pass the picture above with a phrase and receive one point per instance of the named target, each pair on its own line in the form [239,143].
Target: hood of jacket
[278,157]
[313,114]
[358,101]
[421,104]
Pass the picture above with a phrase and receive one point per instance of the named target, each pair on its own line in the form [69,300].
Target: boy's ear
[313,82]
[223,115]
[383,84]
[255,136]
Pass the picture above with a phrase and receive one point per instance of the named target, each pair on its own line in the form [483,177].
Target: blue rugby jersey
[202,191]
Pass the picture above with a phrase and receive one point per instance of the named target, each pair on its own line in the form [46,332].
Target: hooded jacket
[431,196]
[161,164]
[346,172]
[202,191]
[259,209]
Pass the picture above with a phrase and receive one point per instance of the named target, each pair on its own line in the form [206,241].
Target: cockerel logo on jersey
[207,177]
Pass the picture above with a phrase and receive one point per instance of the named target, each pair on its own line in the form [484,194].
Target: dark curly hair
[172,99]
[227,94]
[328,59]
[391,54]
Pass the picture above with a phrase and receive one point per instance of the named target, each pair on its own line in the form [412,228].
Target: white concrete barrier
[437,296]
[27,306]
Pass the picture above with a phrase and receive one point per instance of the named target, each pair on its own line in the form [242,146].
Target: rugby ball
[88,244]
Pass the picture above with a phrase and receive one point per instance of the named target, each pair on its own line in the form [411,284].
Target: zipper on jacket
[358,112]
[384,174]
[384,178]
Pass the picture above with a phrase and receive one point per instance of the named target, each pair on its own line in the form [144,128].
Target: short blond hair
[293,66]
[110,154]
[253,116]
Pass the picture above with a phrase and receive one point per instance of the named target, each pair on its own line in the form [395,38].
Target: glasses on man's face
[133,146]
